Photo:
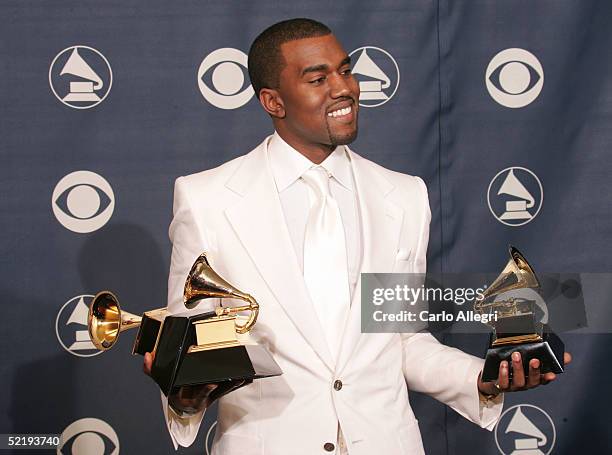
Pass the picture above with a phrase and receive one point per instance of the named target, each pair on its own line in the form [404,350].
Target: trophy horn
[517,274]
[204,283]
[106,320]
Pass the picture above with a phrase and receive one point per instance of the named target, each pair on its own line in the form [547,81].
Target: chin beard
[342,139]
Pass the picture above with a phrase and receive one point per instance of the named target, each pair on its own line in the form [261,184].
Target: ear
[272,102]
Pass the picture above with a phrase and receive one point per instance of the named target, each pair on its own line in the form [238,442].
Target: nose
[339,86]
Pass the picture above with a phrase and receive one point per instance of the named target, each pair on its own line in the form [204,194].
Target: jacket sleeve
[188,242]
[447,374]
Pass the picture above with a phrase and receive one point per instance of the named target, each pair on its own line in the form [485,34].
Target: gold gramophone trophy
[189,349]
[514,322]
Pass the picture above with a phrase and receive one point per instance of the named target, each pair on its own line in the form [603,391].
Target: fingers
[207,390]
[518,375]
[519,380]
[148,363]
[534,373]
[210,387]
[503,380]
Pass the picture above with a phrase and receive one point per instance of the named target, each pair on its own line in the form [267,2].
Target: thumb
[148,363]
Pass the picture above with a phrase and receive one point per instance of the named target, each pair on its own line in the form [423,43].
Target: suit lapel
[381,222]
[260,224]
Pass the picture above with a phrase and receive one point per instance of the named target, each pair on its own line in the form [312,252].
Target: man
[295,222]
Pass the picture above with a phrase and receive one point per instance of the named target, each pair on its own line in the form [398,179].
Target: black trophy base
[244,362]
[549,352]
[174,366]
[147,334]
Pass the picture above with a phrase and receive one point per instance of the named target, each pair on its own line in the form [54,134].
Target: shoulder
[211,178]
[217,178]
[398,181]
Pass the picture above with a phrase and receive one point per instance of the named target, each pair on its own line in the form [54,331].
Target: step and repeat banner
[503,107]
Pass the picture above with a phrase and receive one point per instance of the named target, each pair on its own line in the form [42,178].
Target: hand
[188,399]
[148,363]
[519,381]
[192,399]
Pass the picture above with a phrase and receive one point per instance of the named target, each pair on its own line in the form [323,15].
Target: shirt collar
[288,164]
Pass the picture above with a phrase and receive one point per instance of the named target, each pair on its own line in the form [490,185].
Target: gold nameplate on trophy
[514,322]
[214,333]
[189,348]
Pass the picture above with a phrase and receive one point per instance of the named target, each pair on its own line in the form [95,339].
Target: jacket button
[329,447]
[337,384]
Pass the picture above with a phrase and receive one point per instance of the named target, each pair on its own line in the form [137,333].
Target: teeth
[340,112]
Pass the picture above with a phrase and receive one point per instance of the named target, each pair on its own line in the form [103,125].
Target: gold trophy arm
[253,307]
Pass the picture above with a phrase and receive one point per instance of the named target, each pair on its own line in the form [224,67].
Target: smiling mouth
[341,112]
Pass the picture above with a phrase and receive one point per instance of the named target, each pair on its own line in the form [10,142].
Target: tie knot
[317,178]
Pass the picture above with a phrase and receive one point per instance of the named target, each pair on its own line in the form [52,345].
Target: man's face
[319,93]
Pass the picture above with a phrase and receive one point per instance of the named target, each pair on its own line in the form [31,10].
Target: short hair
[265,57]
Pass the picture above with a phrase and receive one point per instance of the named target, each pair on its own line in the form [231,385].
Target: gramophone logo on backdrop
[88,436]
[525,429]
[377,73]
[515,196]
[224,70]
[514,78]
[80,77]
[71,327]
[83,201]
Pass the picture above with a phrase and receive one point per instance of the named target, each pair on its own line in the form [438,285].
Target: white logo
[210,436]
[227,78]
[525,429]
[515,196]
[83,201]
[80,77]
[71,327]
[514,78]
[89,436]
[378,75]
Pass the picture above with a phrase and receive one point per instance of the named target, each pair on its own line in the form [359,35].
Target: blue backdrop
[503,107]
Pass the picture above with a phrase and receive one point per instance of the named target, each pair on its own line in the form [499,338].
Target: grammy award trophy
[514,322]
[189,349]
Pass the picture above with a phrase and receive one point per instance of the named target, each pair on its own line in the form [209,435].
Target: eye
[514,78]
[318,80]
[223,78]
[83,201]
[88,442]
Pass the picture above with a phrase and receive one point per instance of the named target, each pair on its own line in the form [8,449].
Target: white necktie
[325,259]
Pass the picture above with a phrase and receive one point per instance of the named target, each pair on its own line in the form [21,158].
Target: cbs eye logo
[514,78]
[83,201]
[88,436]
[224,70]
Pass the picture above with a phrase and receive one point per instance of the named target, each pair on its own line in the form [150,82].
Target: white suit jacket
[234,213]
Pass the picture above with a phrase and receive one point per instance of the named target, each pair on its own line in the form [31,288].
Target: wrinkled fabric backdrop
[454,91]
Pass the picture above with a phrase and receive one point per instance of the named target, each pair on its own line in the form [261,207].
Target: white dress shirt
[288,165]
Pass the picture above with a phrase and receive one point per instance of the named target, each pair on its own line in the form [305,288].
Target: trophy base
[242,362]
[150,327]
[176,364]
[549,352]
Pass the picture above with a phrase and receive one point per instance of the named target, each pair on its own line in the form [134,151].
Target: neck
[314,152]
